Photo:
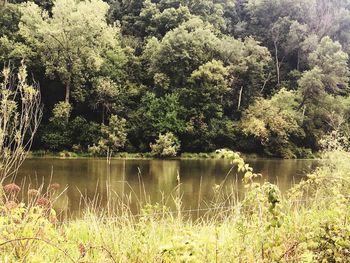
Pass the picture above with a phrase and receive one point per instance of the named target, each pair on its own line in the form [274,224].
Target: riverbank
[148,155]
[307,225]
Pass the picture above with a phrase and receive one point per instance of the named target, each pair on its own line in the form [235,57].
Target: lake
[153,181]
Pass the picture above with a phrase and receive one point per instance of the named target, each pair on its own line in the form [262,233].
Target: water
[151,180]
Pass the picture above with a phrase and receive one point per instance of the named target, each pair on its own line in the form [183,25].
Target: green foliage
[209,84]
[61,133]
[161,114]
[106,95]
[191,44]
[206,62]
[71,41]
[156,21]
[167,145]
[84,133]
[11,49]
[113,136]
[333,63]
[57,133]
[311,85]
[61,112]
[273,121]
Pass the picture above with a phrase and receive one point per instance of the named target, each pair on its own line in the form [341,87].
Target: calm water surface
[151,180]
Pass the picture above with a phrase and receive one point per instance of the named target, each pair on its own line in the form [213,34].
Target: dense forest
[262,76]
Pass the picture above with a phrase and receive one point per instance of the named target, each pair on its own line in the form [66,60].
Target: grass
[310,224]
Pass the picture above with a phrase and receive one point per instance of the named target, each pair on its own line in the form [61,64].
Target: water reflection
[152,180]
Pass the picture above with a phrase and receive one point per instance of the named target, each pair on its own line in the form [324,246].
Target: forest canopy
[261,76]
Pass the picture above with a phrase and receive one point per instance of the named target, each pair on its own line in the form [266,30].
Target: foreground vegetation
[258,76]
[309,224]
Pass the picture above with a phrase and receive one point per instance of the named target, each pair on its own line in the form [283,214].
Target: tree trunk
[69,81]
[277,63]
[298,60]
[67,92]
[240,98]
[304,110]
[103,115]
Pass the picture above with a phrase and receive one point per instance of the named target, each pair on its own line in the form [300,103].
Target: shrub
[166,145]
[61,112]
[113,138]
[57,135]
[55,140]
[84,133]
[67,154]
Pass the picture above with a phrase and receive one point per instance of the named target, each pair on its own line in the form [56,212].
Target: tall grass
[310,224]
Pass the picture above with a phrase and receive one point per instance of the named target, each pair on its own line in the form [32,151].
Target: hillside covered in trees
[261,76]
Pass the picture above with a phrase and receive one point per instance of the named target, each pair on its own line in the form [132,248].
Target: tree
[262,15]
[113,136]
[205,95]
[279,34]
[71,41]
[106,95]
[274,121]
[156,22]
[57,135]
[248,64]
[9,19]
[20,115]
[311,86]
[161,114]
[181,51]
[333,63]
[11,47]
[167,145]
[297,34]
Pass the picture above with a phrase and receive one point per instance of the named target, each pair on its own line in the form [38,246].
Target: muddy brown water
[154,181]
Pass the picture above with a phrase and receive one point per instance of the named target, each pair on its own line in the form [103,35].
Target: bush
[67,154]
[56,135]
[166,145]
[84,133]
[55,139]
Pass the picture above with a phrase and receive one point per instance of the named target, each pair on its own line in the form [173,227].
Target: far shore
[149,156]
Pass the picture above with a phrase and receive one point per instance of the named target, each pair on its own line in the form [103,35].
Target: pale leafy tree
[61,112]
[20,115]
[273,121]
[71,42]
[311,86]
[156,22]
[209,82]
[296,36]
[279,33]
[329,72]
[272,116]
[11,49]
[113,136]
[167,145]
[248,62]
[335,141]
[333,63]
[337,137]
[308,46]
[106,95]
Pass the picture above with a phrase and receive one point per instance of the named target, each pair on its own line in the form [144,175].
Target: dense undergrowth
[308,224]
